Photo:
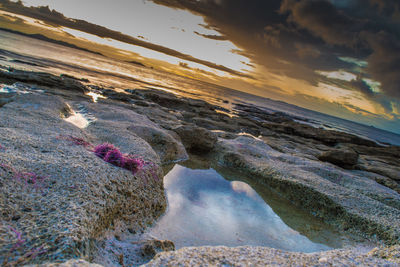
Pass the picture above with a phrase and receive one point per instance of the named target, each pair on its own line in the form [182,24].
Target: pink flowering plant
[111,154]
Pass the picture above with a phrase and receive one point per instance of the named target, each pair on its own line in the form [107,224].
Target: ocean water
[30,54]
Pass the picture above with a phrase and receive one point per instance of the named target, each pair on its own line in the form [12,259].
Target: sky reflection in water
[206,209]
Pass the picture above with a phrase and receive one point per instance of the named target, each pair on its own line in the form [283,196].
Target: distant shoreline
[47,39]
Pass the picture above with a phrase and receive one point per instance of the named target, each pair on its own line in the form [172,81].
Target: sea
[22,52]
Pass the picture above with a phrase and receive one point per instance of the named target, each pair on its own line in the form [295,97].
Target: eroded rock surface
[262,256]
[128,251]
[197,139]
[65,82]
[81,196]
[58,197]
[343,158]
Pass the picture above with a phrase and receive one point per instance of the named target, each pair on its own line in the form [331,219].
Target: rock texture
[65,82]
[122,126]
[197,139]
[70,263]
[58,197]
[59,201]
[128,250]
[262,256]
[343,158]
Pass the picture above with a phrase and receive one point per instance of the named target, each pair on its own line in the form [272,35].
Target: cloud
[184,65]
[376,39]
[292,39]
[306,51]
[384,62]
[213,37]
[295,38]
[54,17]
[360,85]
[323,19]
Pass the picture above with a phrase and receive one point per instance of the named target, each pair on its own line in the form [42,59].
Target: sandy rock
[166,119]
[390,253]
[141,103]
[130,251]
[64,82]
[58,197]
[385,169]
[172,101]
[215,125]
[70,263]
[112,94]
[388,183]
[152,247]
[166,146]
[262,256]
[119,124]
[164,99]
[324,136]
[196,138]
[5,100]
[343,158]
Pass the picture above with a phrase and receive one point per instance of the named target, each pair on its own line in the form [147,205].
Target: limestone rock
[343,158]
[58,197]
[118,124]
[151,247]
[196,138]
[167,147]
[64,82]
[70,263]
[263,256]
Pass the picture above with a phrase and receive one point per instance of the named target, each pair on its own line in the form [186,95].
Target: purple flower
[132,164]
[102,150]
[114,157]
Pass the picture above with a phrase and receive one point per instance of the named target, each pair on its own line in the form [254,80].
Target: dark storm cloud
[54,17]
[373,35]
[362,86]
[384,62]
[324,20]
[297,37]
[266,36]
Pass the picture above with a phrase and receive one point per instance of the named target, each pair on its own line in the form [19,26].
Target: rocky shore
[60,202]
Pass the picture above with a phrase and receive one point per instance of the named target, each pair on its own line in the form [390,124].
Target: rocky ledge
[58,198]
[262,256]
[61,201]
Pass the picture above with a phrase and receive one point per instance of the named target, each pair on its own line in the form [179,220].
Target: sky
[340,57]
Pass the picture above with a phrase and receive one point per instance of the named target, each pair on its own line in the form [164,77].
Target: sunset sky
[340,57]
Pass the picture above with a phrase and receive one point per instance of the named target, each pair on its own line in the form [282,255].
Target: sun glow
[175,29]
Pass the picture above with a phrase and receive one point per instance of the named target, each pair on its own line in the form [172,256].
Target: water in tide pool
[30,54]
[209,207]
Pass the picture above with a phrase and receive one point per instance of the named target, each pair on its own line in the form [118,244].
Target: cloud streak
[213,37]
[54,17]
